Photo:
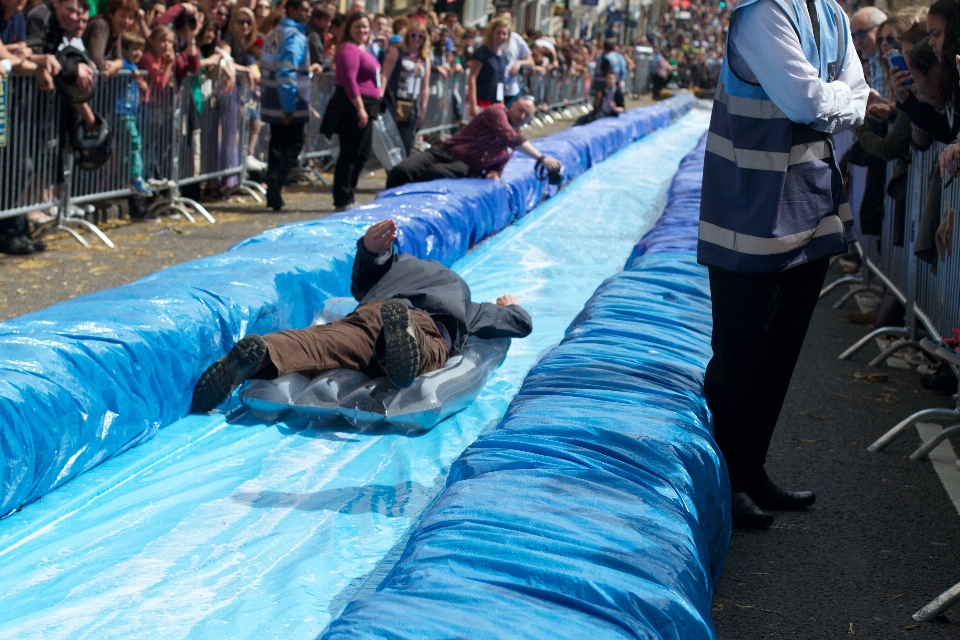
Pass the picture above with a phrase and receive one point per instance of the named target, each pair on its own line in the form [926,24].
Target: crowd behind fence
[199,133]
[929,293]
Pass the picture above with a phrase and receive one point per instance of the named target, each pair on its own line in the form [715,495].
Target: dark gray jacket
[432,287]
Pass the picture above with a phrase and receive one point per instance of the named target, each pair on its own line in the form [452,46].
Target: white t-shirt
[515,49]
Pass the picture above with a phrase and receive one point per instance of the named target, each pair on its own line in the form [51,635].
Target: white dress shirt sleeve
[766,41]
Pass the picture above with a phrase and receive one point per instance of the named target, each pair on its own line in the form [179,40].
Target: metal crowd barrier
[30,159]
[316,146]
[638,82]
[194,133]
[444,105]
[209,141]
[931,300]
[197,132]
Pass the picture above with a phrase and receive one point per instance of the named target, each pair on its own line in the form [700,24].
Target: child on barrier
[128,104]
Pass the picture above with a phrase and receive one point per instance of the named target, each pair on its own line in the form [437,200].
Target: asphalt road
[883,538]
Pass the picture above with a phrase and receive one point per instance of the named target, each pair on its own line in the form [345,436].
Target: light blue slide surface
[219,526]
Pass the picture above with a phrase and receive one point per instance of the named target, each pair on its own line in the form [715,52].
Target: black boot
[769,496]
[274,200]
[17,245]
[223,376]
[401,358]
[746,513]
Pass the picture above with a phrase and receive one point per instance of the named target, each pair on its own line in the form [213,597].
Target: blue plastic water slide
[597,508]
[222,526]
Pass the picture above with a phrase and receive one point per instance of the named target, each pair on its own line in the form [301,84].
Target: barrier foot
[182,210]
[89,225]
[313,176]
[839,281]
[79,238]
[256,186]
[849,294]
[882,331]
[939,604]
[903,425]
[892,349]
[245,189]
[924,450]
[196,206]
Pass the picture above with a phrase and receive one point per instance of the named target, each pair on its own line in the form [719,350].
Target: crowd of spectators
[910,62]
[688,45]
[168,45]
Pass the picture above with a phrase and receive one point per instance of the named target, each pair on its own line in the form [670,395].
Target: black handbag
[337,106]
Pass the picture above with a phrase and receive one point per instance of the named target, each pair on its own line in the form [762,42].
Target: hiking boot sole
[222,377]
[402,356]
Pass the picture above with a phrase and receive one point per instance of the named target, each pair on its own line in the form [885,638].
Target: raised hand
[380,236]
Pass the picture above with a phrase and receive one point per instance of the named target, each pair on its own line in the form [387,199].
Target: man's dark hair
[338,19]
[609,45]
[296,4]
[320,11]
[84,5]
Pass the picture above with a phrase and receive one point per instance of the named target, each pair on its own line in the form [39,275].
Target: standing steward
[285,101]
[774,211]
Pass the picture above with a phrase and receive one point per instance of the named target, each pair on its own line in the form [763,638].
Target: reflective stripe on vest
[270,107]
[772,194]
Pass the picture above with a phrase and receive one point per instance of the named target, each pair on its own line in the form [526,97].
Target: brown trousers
[350,343]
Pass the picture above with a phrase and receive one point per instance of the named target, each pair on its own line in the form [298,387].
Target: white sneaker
[255,165]
[39,217]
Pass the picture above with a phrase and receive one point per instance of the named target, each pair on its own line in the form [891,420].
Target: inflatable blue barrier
[90,377]
[226,526]
[598,506]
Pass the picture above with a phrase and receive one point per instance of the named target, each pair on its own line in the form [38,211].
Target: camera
[554,176]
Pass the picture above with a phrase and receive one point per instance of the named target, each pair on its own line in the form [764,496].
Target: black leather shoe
[769,496]
[226,374]
[746,513]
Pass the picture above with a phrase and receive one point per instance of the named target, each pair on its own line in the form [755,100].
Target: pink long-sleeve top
[357,71]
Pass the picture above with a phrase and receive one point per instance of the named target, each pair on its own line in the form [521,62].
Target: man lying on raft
[413,315]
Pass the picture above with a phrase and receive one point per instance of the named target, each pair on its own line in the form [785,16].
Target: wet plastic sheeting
[87,378]
[222,526]
[598,507]
[676,230]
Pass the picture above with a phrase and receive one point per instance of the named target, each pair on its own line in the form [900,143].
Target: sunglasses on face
[416,36]
[264,6]
[890,40]
[860,34]
[221,14]
[244,23]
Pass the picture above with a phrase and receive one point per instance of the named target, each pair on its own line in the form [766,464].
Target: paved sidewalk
[883,538]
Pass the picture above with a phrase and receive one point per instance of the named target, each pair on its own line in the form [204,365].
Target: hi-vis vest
[270,108]
[772,194]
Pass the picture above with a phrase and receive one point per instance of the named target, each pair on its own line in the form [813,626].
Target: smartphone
[896,61]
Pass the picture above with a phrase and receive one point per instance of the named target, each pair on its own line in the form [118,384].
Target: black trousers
[13,227]
[658,84]
[432,164]
[355,145]
[286,141]
[759,323]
